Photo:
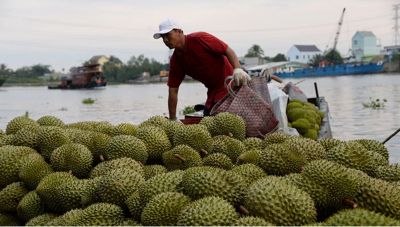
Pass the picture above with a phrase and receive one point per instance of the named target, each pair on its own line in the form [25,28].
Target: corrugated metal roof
[307,48]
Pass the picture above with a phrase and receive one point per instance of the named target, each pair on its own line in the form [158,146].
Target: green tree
[32,71]
[4,70]
[279,57]
[334,57]
[40,70]
[112,68]
[255,51]
[315,60]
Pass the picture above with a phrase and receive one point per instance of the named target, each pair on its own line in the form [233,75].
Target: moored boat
[333,70]
[87,76]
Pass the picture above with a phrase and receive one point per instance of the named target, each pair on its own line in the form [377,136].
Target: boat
[333,70]
[87,76]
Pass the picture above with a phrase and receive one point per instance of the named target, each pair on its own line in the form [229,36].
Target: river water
[135,103]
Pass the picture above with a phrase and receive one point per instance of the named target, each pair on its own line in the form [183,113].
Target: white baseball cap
[165,27]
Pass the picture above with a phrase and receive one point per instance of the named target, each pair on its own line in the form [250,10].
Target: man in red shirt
[203,57]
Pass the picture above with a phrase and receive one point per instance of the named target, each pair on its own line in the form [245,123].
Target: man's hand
[240,77]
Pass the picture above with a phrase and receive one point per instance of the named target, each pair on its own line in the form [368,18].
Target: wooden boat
[87,76]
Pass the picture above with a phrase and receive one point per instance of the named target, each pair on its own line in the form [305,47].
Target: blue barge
[335,70]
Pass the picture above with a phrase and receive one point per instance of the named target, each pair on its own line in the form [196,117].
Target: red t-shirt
[202,59]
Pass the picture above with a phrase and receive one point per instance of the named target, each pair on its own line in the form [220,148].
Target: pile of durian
[305,117]
[161,172]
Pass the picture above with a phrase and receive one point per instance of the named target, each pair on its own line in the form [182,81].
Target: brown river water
[135,103]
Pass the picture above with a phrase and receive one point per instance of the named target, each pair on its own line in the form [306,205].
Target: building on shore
[364,45]
[302,53]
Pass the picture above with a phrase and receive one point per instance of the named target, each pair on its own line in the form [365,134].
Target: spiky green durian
[33,169]
[101,214]
[50,138]
[311,134]
[249,172]
[354,155]
[329,143]
[48,120]
[181,157]
[219,160]
[232,147]
[72,157]
[276,137]
[83,125]
[214,182]
[41,220]
[18,123]
[105,167]
[310,149]
[302,125]
[156,120]
[47,187]
[164,209]
[126,146]
[164,182]
[374,145]
[279,159]
[156,141]
[250,156]
[153,170]
[129,222]
[252,221]
[75,194]
[208,211]
[340,181]
[279,202]
[135,205]
[103,127]
[170,128]
[116,186]
[360,217]
[380,196]
[70,218]
[321,195]
[11,195]
[10,163]
[208,121]
[80,136]
[100,143]
[389,172]
[253,143]
[195,136]
[231,125]
[26,136]
[125,129]
[162,122]
[30,206]
[7,140]
[294,104]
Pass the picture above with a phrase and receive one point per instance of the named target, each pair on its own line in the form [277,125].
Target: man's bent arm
[172,102]
[233,59]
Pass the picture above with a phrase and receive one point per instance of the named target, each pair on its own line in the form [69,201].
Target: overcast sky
[65,33]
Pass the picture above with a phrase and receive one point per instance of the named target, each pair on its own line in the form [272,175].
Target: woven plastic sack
[255,110]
